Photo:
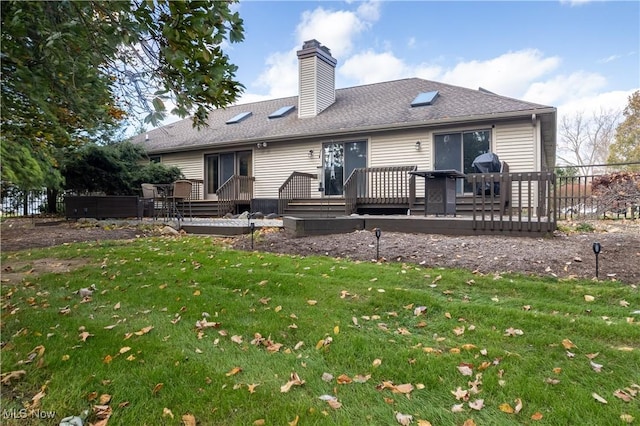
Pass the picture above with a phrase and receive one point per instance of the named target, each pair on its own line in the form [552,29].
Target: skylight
[238,118]
[425,98]
[282,111]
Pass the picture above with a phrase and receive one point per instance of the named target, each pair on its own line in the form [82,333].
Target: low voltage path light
[596,249]
[378,232]
[252,228]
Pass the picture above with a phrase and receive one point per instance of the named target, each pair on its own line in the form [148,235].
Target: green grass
[368,311]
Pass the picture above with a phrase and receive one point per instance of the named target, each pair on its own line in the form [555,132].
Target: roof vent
[238,118]
[425,98]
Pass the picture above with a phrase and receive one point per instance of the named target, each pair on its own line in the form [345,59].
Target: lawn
[189,331]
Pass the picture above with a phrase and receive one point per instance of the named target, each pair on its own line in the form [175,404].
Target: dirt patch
[23,234]
[565,255]
[14,271]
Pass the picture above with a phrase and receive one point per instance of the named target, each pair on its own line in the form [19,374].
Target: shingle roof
[362,108]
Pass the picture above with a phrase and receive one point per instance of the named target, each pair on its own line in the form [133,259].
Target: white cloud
[370,67]
[334,29]
[595,103]
[509,74]
[563,87]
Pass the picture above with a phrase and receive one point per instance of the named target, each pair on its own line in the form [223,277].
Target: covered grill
[487,163]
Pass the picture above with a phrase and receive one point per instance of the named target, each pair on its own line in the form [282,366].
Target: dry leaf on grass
[404,419]
[188,420]
[294,380]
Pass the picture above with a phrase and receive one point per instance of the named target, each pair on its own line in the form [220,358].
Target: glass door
[339,161]
[219,168]
[456,151]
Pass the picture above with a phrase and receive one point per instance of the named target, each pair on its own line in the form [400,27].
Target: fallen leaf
[236,339]
[116,306]
[124,349]
[105,398]
[259,422]
[596,367]
[327,377]
[343,379]
[518,407]
[599,398]
[506,408]
[234,371]
[294,380]
[252,387]
[6,378]
[404,419]
[107,359]
[619,393]
[461,394]
[361,379]
[465,369]
[294,422]
[458,408]
[469,422]
[568,344]
[312,302]
[377,362]
[537,416]
[589,298]
[627,418]
[478,404]
[188,420]
[157,388]
[424,423]
[85,335]
[513,332]
[167,413]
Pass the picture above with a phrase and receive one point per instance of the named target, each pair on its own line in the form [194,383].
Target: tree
[585,142]
[72,71]
[116,169]
[626,148]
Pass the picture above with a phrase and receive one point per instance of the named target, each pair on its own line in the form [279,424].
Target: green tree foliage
[117,169]
[74,70]
[626,147]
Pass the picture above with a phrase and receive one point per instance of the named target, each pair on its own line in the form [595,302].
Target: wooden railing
[379,185]
[528,201]
[297,186]
[236,190]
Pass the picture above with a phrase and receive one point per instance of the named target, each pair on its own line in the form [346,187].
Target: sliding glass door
[456,151]
[221,167]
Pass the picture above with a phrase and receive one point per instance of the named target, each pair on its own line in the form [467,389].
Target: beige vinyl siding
[307,88]
[191,163]
[515,144]
[326,86]
[399,149]
[274,165]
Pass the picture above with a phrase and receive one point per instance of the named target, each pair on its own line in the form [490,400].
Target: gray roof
[360,109]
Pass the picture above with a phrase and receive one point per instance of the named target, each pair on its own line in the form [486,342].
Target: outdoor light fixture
[252,228]
[261,145]
[378,232]
[310,153]
[418,145]
[596,249]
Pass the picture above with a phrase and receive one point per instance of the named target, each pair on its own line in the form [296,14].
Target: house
[324,132]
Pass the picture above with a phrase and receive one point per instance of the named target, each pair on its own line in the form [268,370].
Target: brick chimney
[316,79]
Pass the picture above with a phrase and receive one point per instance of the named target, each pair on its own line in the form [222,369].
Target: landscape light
[378,232]
[596,249]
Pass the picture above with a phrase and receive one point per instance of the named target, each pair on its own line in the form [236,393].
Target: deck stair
[318,207]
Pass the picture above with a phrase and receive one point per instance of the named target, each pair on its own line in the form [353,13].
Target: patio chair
[181,194]
[152,198]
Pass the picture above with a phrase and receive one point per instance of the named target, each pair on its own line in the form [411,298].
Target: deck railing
[236,190]
[527,201]
[378,185]
[297,186]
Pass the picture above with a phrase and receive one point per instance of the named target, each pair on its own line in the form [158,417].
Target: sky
[578,56]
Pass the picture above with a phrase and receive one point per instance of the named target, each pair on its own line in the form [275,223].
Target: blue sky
[574,55]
